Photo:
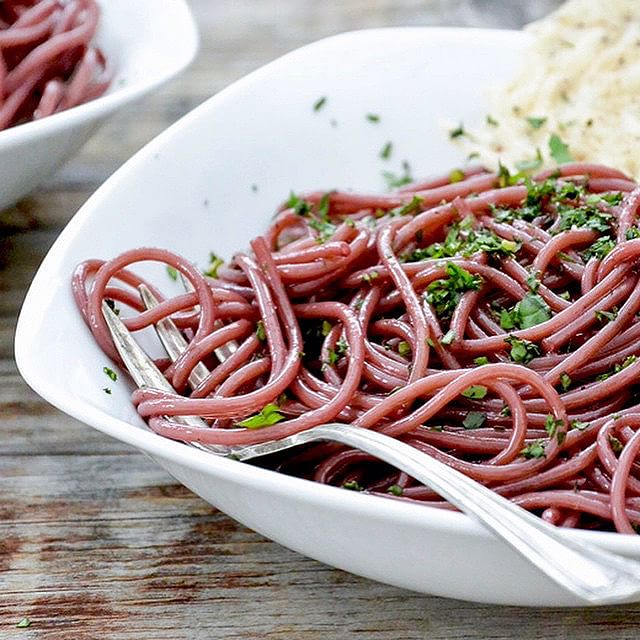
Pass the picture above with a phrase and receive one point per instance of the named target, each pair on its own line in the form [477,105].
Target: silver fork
[592,574]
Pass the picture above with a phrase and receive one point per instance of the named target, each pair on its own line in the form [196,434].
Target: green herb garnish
[559,150]
[352,485]
[480,360]
[600,248]
[394,180]
[532,163]
[475,392]
[373,117]
[616,445]
[536,122]
[444,294]
[528,312]
[110,373]
[522,351]
[474,420]
[385,152]
[370,277]
[172,272]
[395,490]
[533,450]
[457,131]
[448,337]
[551,425]
[214,264]
[579,425]
[607,316]
[319,103]
[261,333]
[300,207]
[24,623]
[565,381]
[404,348]
[268,416]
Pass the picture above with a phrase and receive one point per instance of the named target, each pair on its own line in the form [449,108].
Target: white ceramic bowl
[148,42]
[191,190]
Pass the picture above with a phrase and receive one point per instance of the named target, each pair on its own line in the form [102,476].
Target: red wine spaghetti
[47,63]
[487,319]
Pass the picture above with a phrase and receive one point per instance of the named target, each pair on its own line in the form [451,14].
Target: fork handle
[595,575]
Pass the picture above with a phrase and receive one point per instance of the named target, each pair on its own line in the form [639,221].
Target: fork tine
[172,338]
[142,368]
[224,351]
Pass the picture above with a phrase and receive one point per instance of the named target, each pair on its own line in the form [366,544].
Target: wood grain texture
[98,542]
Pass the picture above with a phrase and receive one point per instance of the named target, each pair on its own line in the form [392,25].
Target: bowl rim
[370,506]
[110,101]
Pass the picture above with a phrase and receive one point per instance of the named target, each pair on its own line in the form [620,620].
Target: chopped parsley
[533,281]
[300,207]
[268,416]
[326,328]
[370,277]
[632,233]
[324,228]
[522,351]
[559,150]
[528,312]
[551,425]
[536,122]
[261,334]
[579,425]
[319,103]
[413,206]
[385,152]
[352,485]
[533,450]
[606,316]
[323,205]
[404,348]
[565,381]
[448,337]
[457,131]
[110,373]
[394,180]
[463,240]
[628,361]
[373,117]
[444,294]
[456,175]
[475,392]
[395,490]
[600,248]
[474,420]
[24,623]
[616,445]
[530,164]
[480,360]
[214,264]
[491,121]
[172,272]
[584,217]
[611,199]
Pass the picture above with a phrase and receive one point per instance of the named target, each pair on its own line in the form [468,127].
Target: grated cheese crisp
[579,86]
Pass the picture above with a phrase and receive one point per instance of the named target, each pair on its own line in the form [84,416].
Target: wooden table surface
[96,541]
